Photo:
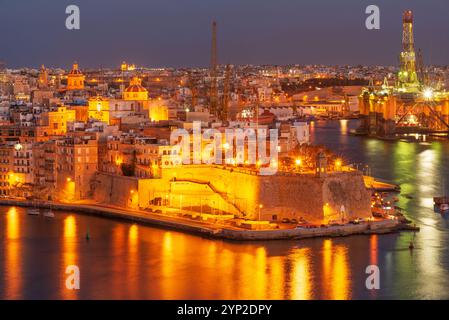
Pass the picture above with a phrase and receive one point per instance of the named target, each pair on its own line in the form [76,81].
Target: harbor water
[128,261]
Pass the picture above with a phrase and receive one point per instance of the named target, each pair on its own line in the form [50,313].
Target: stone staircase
[223,195]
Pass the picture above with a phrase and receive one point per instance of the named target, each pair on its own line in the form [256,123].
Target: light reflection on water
[127,261]
[69,253]
[12,254]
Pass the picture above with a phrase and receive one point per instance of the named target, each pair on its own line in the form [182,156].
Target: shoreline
[215,231]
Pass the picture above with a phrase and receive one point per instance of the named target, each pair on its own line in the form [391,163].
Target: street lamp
[428,93]
[368,170]
[298,164]
[338,164]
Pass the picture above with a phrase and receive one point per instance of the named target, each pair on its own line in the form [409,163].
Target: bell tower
[321,165]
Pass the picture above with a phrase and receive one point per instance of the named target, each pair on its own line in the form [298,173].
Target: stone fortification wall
[275,197]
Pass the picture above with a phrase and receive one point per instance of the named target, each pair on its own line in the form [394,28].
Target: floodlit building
[7,180]
[54,122]
[99,109]
[77,164]
[135,91]
[75,79]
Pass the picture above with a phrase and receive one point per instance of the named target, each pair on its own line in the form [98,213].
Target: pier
[218,231]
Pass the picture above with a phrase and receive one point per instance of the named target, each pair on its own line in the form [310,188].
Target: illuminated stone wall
[157,110]
[239,188]
[241,192]
[283,196]
[116,190]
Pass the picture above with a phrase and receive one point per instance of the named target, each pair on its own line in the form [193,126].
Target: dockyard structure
[412,104]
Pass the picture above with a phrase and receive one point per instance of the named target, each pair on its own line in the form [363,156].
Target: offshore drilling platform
[412,105]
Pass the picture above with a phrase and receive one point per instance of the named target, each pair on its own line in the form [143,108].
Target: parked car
[294,221]
[285,220]
[306,226]
[334,223]
[302,220]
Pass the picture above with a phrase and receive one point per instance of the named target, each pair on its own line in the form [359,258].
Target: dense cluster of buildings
[106,136]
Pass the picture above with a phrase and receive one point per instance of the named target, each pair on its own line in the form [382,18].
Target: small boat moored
[49,214]
[33,211]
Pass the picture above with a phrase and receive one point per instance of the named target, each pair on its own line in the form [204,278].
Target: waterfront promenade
[170,219]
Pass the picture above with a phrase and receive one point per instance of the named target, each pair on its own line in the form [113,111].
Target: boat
[442,202]
[49,214]
[33,211]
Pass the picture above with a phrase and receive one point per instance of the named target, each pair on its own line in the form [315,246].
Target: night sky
[157,33]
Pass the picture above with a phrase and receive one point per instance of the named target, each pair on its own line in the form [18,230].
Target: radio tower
[213,71]
[408,78]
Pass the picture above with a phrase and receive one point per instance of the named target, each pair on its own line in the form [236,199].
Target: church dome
[75,79]
[75,70]
[135,86]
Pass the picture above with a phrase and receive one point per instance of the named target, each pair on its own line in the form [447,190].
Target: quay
[218,231]
[380,186]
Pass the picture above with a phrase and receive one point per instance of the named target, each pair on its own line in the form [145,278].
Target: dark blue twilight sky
[177,32]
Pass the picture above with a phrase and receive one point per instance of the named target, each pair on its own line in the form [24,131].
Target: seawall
[216,231]
[243,193]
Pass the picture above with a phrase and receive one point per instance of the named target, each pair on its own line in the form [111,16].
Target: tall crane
[213,71]
[224,108]
[191,84]
[422,74]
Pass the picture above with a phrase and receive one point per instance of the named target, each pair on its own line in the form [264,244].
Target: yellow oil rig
[412,105]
